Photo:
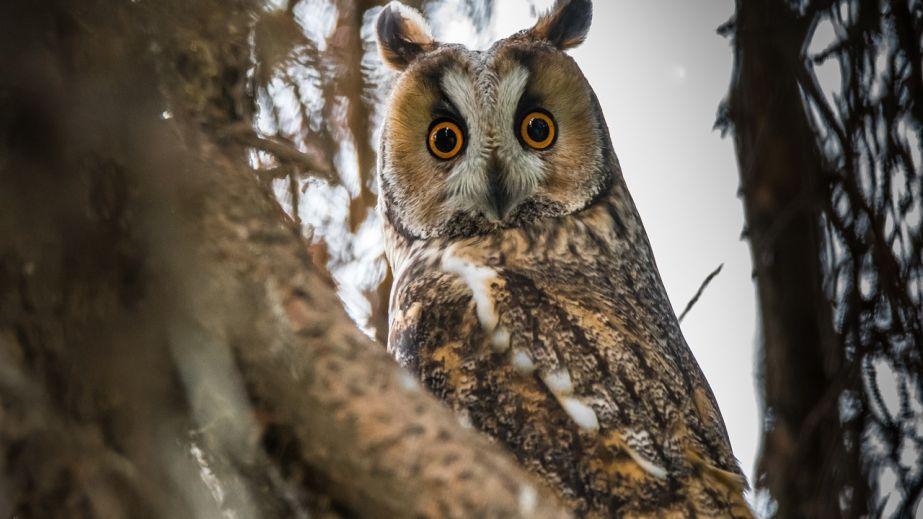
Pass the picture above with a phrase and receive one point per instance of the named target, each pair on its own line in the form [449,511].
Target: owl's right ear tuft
[566,25]
[403,35]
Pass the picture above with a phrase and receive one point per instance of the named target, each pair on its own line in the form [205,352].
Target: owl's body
[526,295]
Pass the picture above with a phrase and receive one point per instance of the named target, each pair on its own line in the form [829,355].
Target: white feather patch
[408,383]
[583,415]
[562,387]
[479,280]
[500,340]
[528,500]
[650,467]
[522,362]
[559,382]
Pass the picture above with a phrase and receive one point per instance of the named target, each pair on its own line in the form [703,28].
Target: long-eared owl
[525,292]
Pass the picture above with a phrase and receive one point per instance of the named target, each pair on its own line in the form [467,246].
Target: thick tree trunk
[783,190]
[167,347]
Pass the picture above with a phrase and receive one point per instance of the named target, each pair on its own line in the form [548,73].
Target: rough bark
[167,346]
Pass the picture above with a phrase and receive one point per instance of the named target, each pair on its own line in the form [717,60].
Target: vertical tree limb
[783,187]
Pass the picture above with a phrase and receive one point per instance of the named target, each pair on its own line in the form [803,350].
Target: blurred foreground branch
[167,346]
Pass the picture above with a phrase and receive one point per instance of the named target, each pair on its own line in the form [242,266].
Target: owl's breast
[558,340]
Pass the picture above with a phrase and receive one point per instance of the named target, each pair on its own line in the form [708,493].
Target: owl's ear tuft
[403,35]
[566,25]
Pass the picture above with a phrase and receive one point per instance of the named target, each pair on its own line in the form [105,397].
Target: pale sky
[660,71]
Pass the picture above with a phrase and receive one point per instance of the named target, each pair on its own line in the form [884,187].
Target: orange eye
[446,139]
[538,130]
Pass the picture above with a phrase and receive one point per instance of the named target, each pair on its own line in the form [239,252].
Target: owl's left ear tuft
[566,25]
[403,35]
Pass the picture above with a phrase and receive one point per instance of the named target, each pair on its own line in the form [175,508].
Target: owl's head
[478,141]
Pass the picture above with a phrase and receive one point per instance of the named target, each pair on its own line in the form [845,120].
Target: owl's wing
[566,363]
[621,371]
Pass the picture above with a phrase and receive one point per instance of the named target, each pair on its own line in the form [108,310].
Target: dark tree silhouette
[831,182]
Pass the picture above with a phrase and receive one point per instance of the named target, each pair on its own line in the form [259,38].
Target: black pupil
[538,129]
[446,140]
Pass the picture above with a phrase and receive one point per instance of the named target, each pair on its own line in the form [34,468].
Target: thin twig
[698,294]
[285,152]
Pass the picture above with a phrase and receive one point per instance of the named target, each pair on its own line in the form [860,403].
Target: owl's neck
[608,226]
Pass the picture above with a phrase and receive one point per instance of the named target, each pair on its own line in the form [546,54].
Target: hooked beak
[498,198]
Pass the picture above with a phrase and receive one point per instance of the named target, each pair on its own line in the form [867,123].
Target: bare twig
[698,294]
[312,164]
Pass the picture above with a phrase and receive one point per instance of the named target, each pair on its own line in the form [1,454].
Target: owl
[525,291]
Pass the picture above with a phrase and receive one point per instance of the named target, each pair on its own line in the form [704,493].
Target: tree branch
[170,319]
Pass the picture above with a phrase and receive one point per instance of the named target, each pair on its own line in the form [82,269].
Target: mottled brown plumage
[525,294]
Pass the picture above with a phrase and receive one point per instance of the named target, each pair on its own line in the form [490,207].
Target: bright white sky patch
[677,73]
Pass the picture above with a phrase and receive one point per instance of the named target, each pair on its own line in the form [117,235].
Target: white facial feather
[467,185]
[524,170]
[489,104]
